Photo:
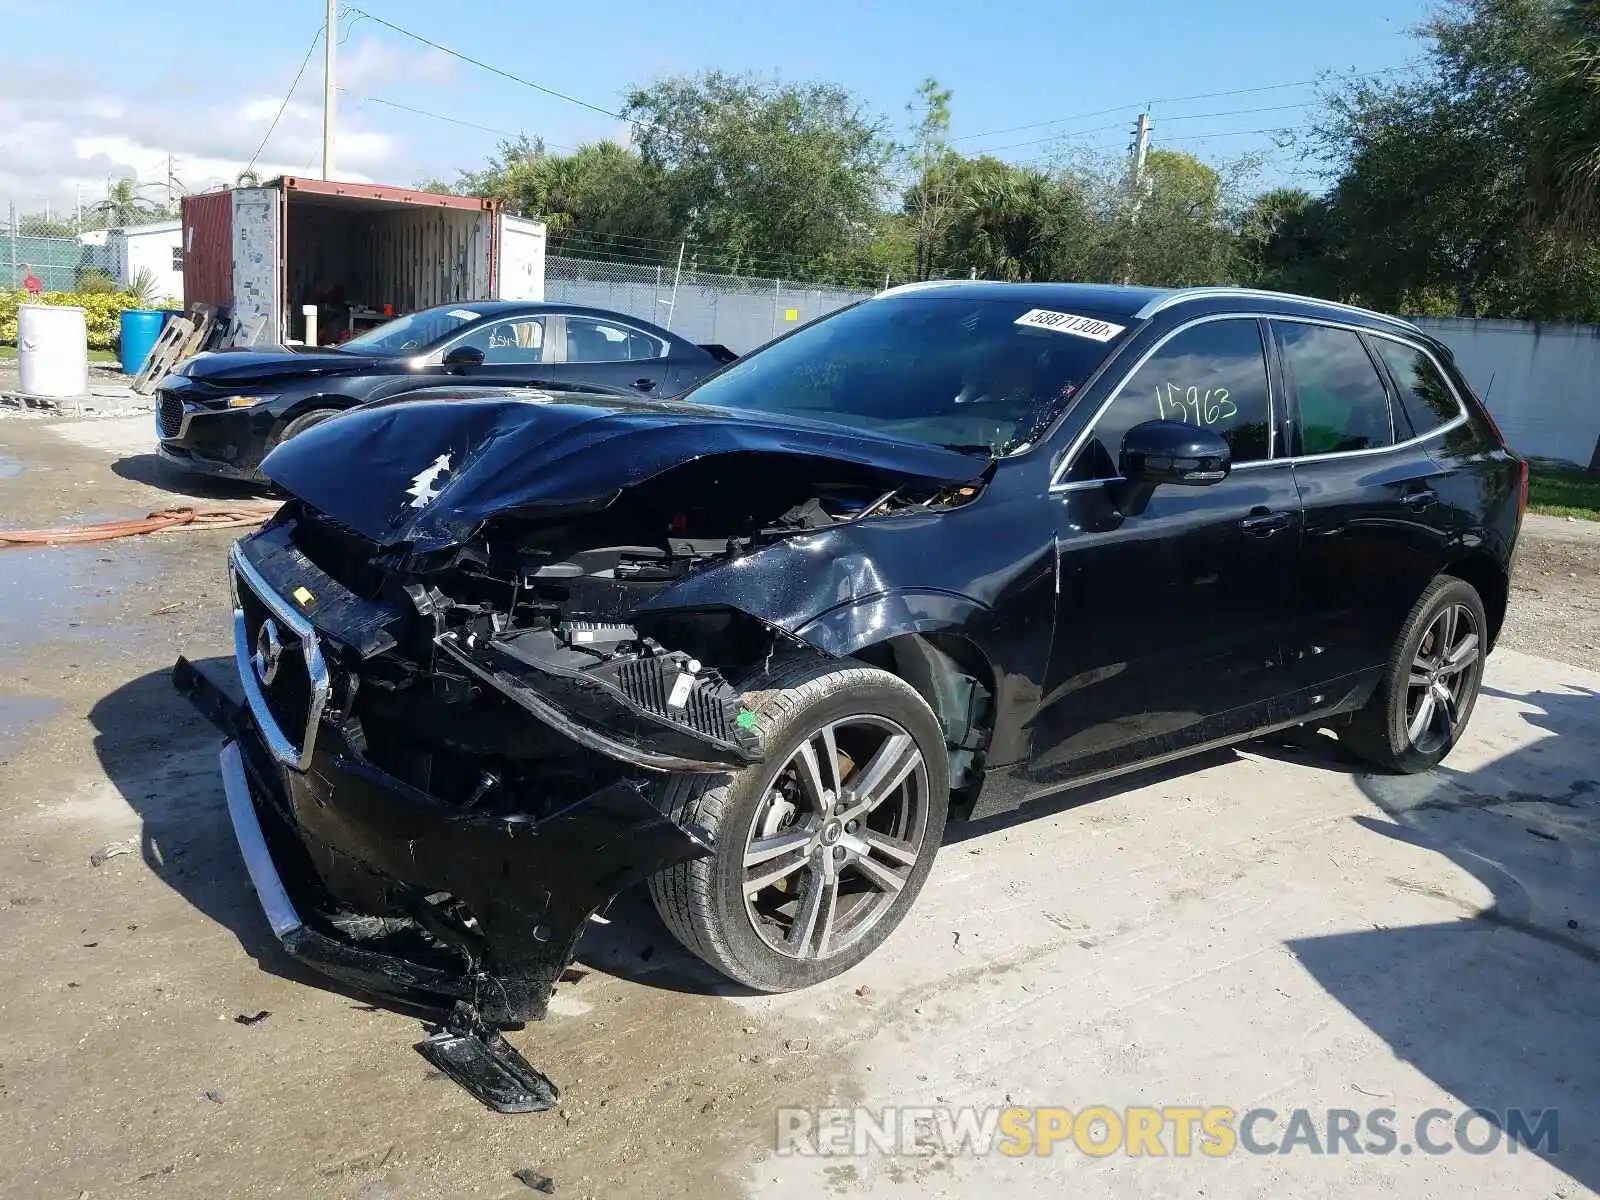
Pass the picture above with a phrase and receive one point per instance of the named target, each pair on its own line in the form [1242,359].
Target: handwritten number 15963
[1193,405]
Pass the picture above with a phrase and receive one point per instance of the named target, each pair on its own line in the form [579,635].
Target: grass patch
[1564,492]
[8,350]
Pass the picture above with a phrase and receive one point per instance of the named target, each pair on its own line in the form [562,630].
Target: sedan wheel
[1428,691]
[819,851]
[1447,667]
[833,843]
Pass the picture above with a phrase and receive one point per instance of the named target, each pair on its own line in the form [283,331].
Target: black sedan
[219,414]
[926,560]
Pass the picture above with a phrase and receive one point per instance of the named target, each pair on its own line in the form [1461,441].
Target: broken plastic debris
[99,857]
[486,1065]
[214,1095]
[251,1018]
[538,1182]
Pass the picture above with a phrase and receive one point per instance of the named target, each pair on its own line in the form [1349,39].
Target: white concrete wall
[1541,382]
[158,249]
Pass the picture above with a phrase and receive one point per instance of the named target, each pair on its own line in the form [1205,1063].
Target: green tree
[124,205]
[932,199]
[763,176]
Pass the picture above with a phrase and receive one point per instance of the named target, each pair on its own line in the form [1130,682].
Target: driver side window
[1212,375]
[518,340]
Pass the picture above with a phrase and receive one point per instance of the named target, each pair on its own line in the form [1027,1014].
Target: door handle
[644,385]
[1264,524]
[1420,499]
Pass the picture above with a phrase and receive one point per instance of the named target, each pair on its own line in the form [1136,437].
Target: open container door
[521,267]
[257,265]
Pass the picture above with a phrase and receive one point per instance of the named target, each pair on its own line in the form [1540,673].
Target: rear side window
[1211,375]
[1342,400]
[1424,394]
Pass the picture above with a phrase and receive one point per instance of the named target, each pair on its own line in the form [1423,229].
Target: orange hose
[237,516]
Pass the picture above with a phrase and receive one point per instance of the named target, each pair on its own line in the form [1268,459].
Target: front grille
[274,664]
[169,414]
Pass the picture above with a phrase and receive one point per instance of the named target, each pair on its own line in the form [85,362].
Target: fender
[846,628]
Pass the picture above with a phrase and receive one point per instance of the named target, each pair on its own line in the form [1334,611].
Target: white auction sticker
[1060,322]
[462,314]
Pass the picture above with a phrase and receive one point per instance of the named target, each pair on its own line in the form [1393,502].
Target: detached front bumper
[350,866]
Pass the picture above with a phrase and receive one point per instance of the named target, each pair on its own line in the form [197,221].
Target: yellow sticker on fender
[1060,322]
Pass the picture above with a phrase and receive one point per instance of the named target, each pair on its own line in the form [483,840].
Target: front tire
[820,850]
[1431,683]
[305,421]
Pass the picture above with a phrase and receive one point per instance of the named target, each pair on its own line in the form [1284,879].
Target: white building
[156,248]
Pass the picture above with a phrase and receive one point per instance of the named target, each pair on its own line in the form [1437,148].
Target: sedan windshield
[981,375]
[411,333]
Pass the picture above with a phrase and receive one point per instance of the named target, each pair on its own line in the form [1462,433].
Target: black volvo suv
[925,560]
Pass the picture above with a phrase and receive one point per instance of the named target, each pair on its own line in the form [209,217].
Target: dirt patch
[1555,592]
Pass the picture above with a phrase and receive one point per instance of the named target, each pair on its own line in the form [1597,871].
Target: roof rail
[1180,295]
[925,285]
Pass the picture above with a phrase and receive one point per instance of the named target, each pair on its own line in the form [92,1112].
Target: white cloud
[62,127]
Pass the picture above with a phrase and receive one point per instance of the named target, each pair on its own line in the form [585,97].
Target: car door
[516,351]
[1168,614]
[1375,530]
[612,353]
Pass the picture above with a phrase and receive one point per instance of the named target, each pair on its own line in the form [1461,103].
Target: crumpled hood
[429,472]
[250,366]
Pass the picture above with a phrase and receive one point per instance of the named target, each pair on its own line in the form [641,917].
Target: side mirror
[463,357]
[1157,452]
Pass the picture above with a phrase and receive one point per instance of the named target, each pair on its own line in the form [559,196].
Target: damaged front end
[459,707]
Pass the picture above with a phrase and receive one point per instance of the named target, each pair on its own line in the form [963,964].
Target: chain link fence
[39,246]
[737,311]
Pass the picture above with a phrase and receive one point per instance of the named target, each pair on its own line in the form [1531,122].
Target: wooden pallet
[164,355]
[181,338]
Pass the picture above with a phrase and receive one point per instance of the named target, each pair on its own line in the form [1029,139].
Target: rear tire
[1430,685]
[813,866]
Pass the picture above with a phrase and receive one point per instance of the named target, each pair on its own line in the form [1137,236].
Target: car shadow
[162,757]
[154,471]
[1501,1006]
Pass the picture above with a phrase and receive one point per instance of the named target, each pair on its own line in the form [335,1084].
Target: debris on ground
[99,857]
[232,517]
[538,1182]
[486,1065]
[214,1095]
[251,1018]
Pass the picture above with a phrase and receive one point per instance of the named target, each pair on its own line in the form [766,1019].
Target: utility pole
[330,41]
[672,305]
[1140,151]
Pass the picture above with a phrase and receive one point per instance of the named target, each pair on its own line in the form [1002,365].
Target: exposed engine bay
[451,752]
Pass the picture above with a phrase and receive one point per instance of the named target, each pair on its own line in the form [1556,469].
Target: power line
[538,87]
[1238,112]
[422,112]
[289,95]
[1100,112]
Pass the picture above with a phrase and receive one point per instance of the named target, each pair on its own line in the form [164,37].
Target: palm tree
[124,205]
[1566,163]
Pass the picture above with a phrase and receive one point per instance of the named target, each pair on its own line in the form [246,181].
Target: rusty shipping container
[369,248]
[208,249]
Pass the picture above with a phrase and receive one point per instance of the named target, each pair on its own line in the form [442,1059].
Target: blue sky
[93,88]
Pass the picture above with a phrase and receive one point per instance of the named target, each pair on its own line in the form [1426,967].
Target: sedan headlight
[247,401]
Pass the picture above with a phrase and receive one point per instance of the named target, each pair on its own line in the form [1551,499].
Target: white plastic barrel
[52,350]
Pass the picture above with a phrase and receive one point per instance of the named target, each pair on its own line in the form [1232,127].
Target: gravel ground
[1555,592]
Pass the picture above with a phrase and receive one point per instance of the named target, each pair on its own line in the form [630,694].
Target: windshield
[982,375]
[408,334]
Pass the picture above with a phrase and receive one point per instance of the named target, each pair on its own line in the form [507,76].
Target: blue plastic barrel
[140,329]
